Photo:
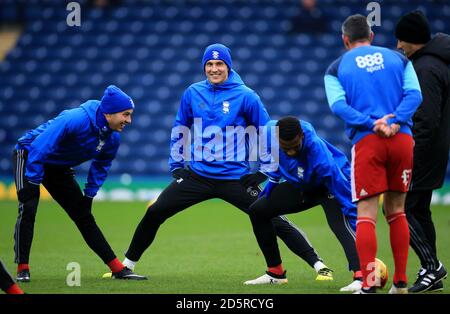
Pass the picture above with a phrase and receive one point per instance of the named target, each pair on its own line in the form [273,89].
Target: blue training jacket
[368,82]
[73,137]
[319,163]
[230,104]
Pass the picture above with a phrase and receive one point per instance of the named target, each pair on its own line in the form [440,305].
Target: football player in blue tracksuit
[210,107]
[47,154]
[314,172]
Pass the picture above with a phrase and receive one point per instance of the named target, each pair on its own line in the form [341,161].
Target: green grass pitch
[208,248]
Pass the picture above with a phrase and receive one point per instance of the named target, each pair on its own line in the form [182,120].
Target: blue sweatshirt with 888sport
[369,82]
[73,137]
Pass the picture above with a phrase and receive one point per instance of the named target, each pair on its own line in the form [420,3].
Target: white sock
[319,265]
[128,263]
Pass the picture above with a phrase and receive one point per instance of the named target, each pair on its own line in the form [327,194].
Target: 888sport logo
[371,63]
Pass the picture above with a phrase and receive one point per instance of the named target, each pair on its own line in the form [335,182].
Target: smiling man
[47,154]
[216,71]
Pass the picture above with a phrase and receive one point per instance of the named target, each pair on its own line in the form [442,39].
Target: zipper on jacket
[213,107]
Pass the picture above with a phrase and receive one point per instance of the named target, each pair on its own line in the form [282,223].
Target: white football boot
[354,286]
[268,278]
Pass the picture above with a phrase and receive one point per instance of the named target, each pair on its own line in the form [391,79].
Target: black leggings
[287,199]
[181,194]
[62,186]
[421,228]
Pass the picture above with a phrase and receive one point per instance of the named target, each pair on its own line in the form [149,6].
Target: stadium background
[152,50]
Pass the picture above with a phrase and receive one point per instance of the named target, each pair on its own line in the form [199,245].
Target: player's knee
[156,213]
[258,211]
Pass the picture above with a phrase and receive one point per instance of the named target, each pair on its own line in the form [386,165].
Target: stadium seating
[153,49]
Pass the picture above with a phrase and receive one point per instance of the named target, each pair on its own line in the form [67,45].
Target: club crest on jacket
[100,145]
[226,107]
[300,171]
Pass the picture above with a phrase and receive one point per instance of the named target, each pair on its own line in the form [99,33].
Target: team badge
[100,145]
[252,192]
[300,171]
[226,107]
[215,54]
[406,174]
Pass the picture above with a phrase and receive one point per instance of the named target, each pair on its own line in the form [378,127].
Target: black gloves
[253,179]
[28,192]
[180,173]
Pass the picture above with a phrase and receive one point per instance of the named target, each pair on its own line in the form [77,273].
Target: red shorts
[381,164]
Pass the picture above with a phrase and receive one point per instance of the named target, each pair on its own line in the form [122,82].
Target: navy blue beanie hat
[217,52]
[413,28]
[115,100]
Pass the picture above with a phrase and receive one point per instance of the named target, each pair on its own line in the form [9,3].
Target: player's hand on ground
[253,179]
[28,192]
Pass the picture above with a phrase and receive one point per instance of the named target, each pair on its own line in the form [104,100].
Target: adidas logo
[363,193]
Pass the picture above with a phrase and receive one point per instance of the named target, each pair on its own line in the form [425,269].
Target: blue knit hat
[115,100]
[217,52]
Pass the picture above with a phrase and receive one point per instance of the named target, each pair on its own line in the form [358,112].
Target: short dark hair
[356,28]
[288,128]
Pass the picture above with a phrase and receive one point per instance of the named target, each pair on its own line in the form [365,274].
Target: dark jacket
[432,119]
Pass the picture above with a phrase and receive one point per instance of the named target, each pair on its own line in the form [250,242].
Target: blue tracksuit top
[319,163]
[230,104]
[368,82]
[73,137]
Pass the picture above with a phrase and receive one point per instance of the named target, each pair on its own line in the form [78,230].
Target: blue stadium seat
[153,51]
